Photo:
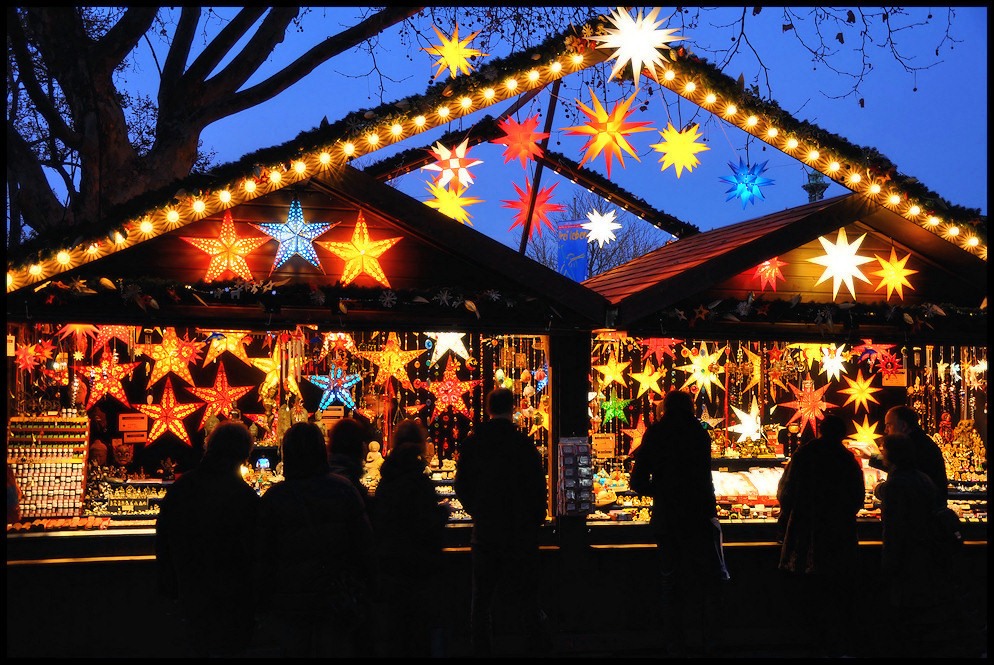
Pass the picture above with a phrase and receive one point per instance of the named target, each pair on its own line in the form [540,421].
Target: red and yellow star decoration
[679,148]
[227,251]
[540,211]
[453,53]
[860,392]
[768,272]
[809,404]
[451,202]
[613,372]
[220,396]
[893,275]
[105,379]
[273,367]
[607,131]
[171,355]
[232,341]
[521,140]
[450,390]
[168,415]
[392,361]
[361,255]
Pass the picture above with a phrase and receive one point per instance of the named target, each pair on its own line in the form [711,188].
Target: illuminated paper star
[749,426]
[659,347]
[453,164]
[105,379]
[841,262]
[227,251]
[273,367]
[648,380]
[615,408]
[540,212]
[337,386]
[703,368]
[220,397]
[831,361]
[866,433]
[451,202]
[769,272]
[860,392]
[868,350]
[43,350]
[295,237]
[79,332]
[107,333]
[613,371]
[889,363]
[679,149]
[601,227]
[171,355]
[809,404]
[756,361]
[746,182]
[449,391]
[25,355]
[232,341]
[521,140]
[361,255]
[453,53]
[540,418]
[445,341]
[636,42]
[809,352]
[392,361]
[636,433]
[168,415]
[894,275]
[336,341]
[607,131]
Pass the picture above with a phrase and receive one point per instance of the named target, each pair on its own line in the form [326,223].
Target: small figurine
[374,459]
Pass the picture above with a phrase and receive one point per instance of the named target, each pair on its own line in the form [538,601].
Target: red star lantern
[107,333]
[79,332]
[636,434]
[26,357]
[540,213]
[43,350]
[521,140]
[227,251]
[449,391]
[392,362]
[105,379]
[768,272]
[168,415]
[336,341]
[607,131]
[172,355]
[659,347]
[220,397]
[809,404]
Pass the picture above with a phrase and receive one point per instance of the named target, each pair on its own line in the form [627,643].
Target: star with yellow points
[227,251]
[860,392]
[79,332]
[679,148]
[636,41]
[232,341]
[541,417]
[453,164]
[171,355]
[703,368]
[894,275]
[648,380]
[168,415]
[809,404]
[636,433]
[453,53]
[392,361]
[809,352]
[756,361]
[841,262]
[451,202]
[450,390]
[361,254]
[607,131]
[107,333]
[105,379]
[865,433]
[521,140]
[831,361]
[613,371]
[220,396]
[272,366]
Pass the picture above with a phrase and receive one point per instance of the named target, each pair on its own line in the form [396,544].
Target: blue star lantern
[746,181]
[295,237]
[336,387]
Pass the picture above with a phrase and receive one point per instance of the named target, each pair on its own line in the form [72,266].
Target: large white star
[636,41]
[600,227]
[447,342]
[841,262]
[749,426]
[831,361]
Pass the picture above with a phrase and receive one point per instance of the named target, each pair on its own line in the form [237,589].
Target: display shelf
[48,456]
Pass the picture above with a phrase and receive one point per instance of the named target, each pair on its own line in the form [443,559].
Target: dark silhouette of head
[832,428]
[900,420]
[228,446]
[500,403]
[304,452]
[678,403]
[898,451]
[348,438]
[410,435]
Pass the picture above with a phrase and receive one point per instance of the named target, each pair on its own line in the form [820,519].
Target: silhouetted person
[347,441]
[673,466]
[927,456]
[315,552]
[409,524]
[505,522]
[819,494]
[204,545]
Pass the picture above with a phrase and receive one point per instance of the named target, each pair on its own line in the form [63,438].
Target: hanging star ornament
[296,237]
[232,341]
[520,141]
[445,341]
[749,426]
[679,149]
[768,272]
[540,418]
[79,332]
[613,372]
[107,333]
[831,361]
[449,391]
[273,368]
[615,408]
[453,53]
[220,397]
[866,433]
[636,42]
[171,355]
[336,341]
[860,392]
[702,368]
[453,165]
[756,361]
[227,251]
[361,255]
[601,227]
[105,379]
[893,275]
[25,355]
[746,182]
[168,415]
[636,433]
[648,380]
[337,387]
[607,131]
[392,362]
[660,347]
[841,262]
[451,202]
[809,404]
[540,211]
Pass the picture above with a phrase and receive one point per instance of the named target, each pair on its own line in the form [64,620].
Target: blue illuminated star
[336,387]
[295,237]
[746,181]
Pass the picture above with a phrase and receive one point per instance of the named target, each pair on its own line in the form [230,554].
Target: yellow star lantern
[392,361]
[648,380]
[541,418]
[227,251]
[168,415]
[172,355]
[866,433]
[361,254]
[232,341]
[607,131]
[447,341]
[702,368]
[453,53]
[449,392]
[679,148]
[636,41]
[273,367]
[613,371]
[893,274]
[860,392]
[451,203]
[105,379]
[841,262]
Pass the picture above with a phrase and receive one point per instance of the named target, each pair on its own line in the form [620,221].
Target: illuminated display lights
[453,52]
[607,131]
[860,392]
[227,251]
[893,275]
[841,262]
[449,391]
[361,255]
[171,355]
[445,341]
[337,387]
[168,415]
[679,148]
[601,227]
[220,397]
[296,237]
[636,42]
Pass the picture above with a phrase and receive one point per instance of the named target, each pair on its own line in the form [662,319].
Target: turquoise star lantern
[746,181]
[295,237]
[336,387]
[615,408]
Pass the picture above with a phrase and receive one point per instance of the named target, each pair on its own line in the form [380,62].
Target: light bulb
[224,196]
[299,167]
[396,129]
[172,216]
[275,176]
[34,270]
[894,199]
[792,143]
[443,111]
[752,121]
[146,226]
[813,155]
[710,99]
[731,110]
[690,87]
[772,132]
[349,148]
[324,158]
[373,139]
[874,188]
[556,67]
[834,166]
[855,178]
[249,185]
[934,221]
[510,84]
[466,102]
[973,241]
[62,257]
[198,206]
[533,75]
[914,210]
[489,93]
[577,59]
[954,230]
[420,121]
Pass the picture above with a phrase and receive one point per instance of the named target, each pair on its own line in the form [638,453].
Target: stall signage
[604,444]
[898,379]
[131,438]
[132,422]
[10,346]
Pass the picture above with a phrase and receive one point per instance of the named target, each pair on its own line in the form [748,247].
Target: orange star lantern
[168,415]
[449,392]
[521,140]
[220,397]
[392,361]
[860,392]
[105,379]
[232,341]
[809,404]
[172,355]
[227,251]
[607,131]
[540,212]
[768,272]
[893,274]
[453,53]
[613,371]
[636,433]
[361,254]
[107,333]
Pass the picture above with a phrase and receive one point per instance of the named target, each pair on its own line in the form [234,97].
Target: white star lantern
[295,237]
[831,361]
[600,227]
[636,41]
[749,426]
[841,262]
[453,164]
[447,342]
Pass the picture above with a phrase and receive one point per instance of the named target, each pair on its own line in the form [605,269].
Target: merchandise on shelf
[48,457]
